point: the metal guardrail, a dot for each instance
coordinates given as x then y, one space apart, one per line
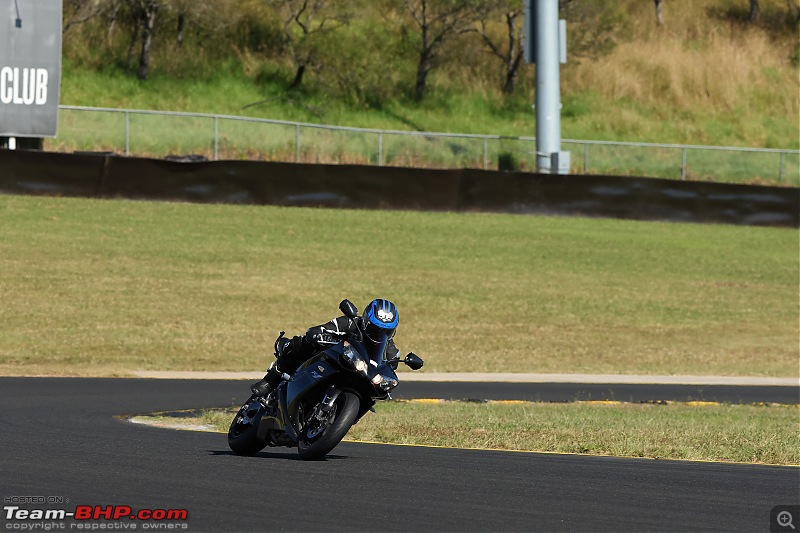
161 133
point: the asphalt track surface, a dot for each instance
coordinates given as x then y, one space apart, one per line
61 438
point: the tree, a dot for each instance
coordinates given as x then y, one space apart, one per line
593 26
438 22
794 9
755 11
511 53
186 11
77 12
143 16
659 13
148 10
304 21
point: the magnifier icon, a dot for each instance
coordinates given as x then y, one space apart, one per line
785 519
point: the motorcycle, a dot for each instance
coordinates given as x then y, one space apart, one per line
315 407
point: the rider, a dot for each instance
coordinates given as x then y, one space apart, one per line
380 318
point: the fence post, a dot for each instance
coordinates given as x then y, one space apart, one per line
683 165
127 134
297 143
782 179
216 138
586 158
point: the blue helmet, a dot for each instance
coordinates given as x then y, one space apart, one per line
380 320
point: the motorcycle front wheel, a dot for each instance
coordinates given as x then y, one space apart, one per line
317 441
242 435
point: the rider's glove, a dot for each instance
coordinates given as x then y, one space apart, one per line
324 337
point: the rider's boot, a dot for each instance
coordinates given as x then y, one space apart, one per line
268 383
291 354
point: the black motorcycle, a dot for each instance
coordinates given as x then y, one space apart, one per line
315 407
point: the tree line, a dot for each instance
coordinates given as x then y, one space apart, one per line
355 41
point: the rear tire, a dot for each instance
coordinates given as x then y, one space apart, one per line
347 406
243 432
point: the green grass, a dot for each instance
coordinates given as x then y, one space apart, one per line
108 287
706 76
736 433
161 135
229 92
767 434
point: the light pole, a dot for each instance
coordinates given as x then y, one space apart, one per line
545 42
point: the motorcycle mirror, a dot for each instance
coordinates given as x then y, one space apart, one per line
348 309
414 361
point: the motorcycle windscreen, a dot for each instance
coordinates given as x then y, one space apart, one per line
376 347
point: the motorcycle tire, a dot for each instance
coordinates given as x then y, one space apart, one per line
347 406
243 438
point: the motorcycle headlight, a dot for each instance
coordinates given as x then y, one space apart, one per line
353 360
386 383
361 366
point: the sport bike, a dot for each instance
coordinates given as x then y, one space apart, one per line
314 408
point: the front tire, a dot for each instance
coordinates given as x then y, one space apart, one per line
315 445
243 432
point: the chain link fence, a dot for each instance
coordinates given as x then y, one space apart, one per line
170 134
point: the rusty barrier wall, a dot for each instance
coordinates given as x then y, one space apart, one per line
355 186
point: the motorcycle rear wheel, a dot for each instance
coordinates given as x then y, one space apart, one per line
316 447
242 434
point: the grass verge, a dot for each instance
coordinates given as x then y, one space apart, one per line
767 434
105 287
162 135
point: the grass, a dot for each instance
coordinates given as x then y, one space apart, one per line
767 434
702 78
108 287
706 77
696 81
159 136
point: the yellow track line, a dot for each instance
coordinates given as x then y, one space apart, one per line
142 421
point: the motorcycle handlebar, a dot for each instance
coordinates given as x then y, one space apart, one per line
277 341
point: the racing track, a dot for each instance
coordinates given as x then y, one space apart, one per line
59 437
